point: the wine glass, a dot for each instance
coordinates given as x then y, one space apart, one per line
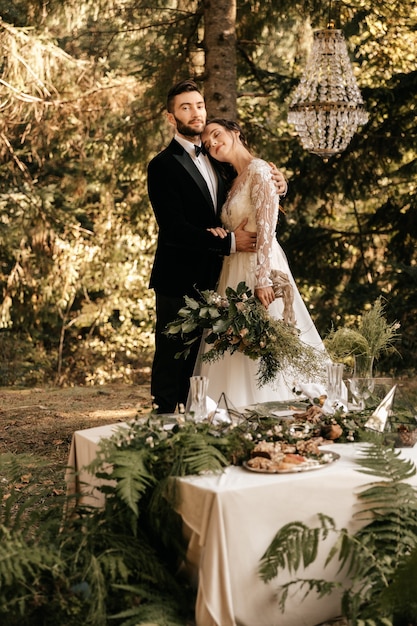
361 390
362 382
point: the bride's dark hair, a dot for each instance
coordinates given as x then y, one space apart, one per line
227 171
230 125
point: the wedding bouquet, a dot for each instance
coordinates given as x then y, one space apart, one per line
237 322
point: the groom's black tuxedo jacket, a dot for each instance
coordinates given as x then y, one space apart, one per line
187 256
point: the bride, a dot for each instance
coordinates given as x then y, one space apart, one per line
265 271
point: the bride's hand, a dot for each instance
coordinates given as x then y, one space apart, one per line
218 232
279 180
265 295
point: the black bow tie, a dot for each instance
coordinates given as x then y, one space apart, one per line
200 150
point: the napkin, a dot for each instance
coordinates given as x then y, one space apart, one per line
216 414
313 391
379 417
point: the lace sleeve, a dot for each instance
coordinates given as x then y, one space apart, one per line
266 202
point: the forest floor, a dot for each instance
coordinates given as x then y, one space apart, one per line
37 424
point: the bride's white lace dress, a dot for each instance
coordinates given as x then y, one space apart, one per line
253 195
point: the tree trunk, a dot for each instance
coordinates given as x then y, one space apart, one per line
220 47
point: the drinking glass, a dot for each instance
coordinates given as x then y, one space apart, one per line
361 390
334 381
362 382
364 364
198 392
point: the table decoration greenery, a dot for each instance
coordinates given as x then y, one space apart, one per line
169 446
373 335
144 455
161 448
237 322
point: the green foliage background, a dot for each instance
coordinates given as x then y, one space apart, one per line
82 115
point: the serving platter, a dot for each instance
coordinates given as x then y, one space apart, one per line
311 463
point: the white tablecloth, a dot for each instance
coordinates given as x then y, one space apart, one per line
231 519
82 452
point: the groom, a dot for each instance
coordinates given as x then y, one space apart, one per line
186 192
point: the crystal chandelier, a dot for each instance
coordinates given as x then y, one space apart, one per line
327 107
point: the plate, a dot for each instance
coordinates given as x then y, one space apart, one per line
284 413
312 463
285 405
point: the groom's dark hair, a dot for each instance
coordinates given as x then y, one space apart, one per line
181 87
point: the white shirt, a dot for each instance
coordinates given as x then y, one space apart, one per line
204 166
206 169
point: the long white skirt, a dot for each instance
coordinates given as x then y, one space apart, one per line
235 375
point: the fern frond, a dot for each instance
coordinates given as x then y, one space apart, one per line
130 471
385 462
195 453
114 564
318 585
371 557
385 493
150 607
294 544
401 597
22 568
94 574
17 514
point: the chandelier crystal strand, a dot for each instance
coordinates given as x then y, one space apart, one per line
327 107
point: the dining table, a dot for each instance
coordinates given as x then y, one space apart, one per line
230 519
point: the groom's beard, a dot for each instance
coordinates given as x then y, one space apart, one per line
187 131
